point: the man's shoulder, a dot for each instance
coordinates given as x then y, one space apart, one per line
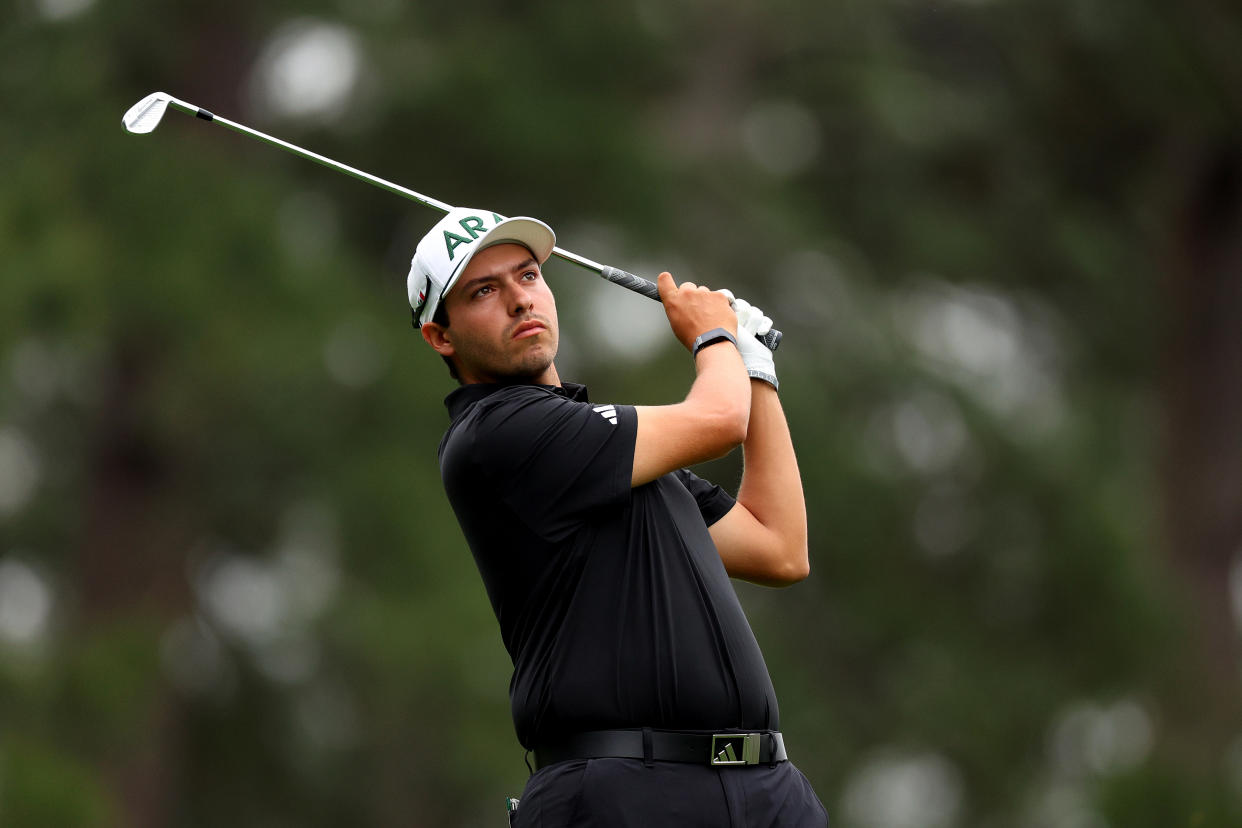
482 414
504 400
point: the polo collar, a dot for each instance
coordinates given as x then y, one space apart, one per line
460 399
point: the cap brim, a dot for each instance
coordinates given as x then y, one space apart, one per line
531 233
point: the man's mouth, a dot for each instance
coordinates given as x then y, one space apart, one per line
529 328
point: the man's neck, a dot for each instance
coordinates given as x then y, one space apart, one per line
548 377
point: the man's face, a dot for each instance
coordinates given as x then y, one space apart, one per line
502 320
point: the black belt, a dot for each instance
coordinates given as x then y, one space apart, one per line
719 749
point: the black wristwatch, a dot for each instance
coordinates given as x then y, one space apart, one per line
711 338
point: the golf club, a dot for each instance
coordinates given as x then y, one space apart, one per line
144 116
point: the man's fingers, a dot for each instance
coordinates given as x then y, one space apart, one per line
665 284
688 286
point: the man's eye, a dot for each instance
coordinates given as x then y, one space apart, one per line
483 290
530 275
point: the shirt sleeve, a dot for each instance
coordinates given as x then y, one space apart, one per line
714 502
553 460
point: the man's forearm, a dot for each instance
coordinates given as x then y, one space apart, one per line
710 422
771 487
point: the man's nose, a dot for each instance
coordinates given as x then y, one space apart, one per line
520 299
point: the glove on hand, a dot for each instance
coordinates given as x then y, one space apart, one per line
760 362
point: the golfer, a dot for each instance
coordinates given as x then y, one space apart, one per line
637 684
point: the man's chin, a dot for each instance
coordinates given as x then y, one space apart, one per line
534 365
526 364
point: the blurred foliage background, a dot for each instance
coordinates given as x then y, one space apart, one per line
1004 241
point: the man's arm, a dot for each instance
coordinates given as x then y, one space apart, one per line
712 420
763 537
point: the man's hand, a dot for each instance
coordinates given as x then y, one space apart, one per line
693 309
760 362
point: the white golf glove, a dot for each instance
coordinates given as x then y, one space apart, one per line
751 322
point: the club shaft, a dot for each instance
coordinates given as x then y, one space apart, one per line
316 157
615 275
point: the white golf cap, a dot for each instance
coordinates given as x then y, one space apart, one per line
442 254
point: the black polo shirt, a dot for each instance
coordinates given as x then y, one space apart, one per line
613 602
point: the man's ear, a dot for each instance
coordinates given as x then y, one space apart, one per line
437 336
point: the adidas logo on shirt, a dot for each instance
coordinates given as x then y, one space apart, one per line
608 412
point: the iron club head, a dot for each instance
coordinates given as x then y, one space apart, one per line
145 115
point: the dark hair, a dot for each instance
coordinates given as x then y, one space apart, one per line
440 317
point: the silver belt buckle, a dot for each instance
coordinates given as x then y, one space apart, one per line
735 749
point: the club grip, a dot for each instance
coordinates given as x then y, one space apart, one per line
628 280
771 339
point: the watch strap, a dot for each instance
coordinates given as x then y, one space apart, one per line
711 338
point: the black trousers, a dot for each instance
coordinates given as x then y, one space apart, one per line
612 793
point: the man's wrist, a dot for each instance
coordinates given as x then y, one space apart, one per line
712 337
